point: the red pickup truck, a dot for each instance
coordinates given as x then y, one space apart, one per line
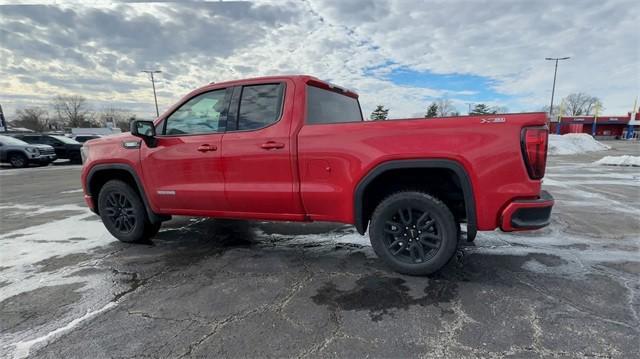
295 148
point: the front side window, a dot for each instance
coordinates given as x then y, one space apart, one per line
324 106
260 106
201 114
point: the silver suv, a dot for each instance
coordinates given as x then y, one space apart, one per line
19 153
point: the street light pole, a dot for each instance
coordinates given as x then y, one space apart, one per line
153 83
555 73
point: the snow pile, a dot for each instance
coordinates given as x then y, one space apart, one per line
625 160
574 143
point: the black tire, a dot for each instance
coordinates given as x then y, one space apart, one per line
123 213
18 160
413 233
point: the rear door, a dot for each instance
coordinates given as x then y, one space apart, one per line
184 170
257 153
58 146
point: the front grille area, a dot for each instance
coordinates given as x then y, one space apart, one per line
47 151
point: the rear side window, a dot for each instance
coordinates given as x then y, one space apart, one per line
260 106
324 106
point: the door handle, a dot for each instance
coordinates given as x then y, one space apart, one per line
207 148
272 145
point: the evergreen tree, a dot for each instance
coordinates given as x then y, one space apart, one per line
380 113
432 110
482 109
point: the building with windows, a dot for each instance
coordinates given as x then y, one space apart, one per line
602 127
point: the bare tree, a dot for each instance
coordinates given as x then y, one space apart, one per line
73 111
33 118
580 104
445 107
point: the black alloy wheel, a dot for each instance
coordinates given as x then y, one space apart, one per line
123 213
120 211
412 235
413 232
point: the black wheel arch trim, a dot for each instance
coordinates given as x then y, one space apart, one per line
153 217
456 167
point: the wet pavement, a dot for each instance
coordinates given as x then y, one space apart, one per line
212 288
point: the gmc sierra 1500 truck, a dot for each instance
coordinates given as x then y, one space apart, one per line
295 148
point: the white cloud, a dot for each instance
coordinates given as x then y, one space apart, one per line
98 51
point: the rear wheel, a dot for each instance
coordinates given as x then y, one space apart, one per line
18 160
413 232
123 213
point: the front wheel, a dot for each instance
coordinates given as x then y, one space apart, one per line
18 160
123 213
413 232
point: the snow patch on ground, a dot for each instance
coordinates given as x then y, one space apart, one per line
20 249
349 237
574 143
72 191
625 160
33 210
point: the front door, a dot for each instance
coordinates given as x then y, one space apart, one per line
184 169
257 153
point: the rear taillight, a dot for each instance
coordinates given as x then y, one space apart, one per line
534 142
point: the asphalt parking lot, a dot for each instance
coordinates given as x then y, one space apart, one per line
253 289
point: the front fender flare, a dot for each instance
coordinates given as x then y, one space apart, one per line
153 217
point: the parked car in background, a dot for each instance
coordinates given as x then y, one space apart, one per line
20 154
65 147
85 138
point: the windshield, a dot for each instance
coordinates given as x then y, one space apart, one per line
11 141
66 140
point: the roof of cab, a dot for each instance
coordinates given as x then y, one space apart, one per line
303 78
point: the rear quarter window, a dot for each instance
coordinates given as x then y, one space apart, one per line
324 106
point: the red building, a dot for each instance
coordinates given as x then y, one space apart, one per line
605 126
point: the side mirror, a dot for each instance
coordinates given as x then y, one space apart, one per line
145 130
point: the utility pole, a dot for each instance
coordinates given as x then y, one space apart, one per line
153 83
553 89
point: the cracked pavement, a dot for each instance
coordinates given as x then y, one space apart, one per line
210 288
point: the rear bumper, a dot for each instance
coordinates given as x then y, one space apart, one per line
525 214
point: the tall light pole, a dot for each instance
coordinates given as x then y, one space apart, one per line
153 83
553 89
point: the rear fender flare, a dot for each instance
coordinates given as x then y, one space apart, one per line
454 166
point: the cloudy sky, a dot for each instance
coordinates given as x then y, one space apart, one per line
402 54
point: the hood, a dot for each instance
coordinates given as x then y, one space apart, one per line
42 147
125 136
